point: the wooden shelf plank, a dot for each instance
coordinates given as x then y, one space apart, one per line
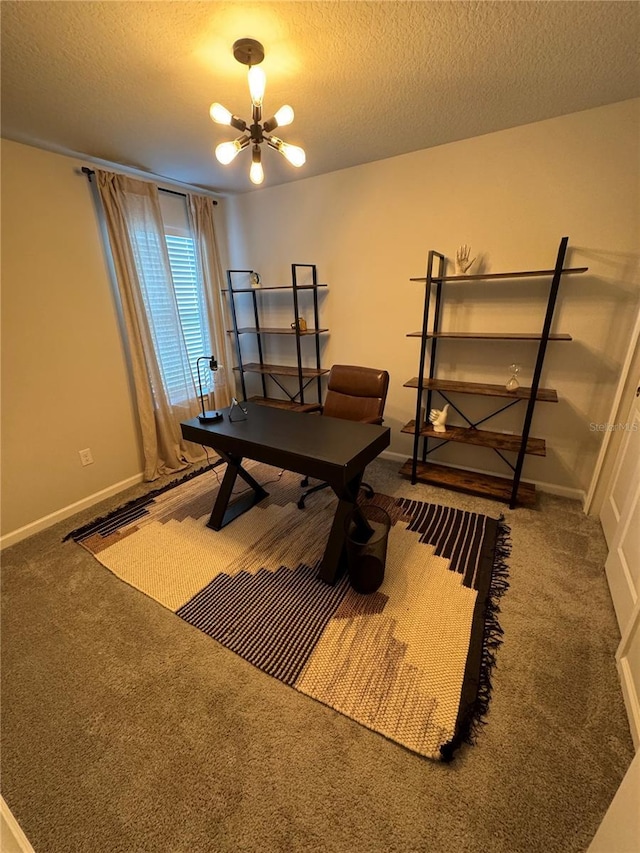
273 287
494 276
547 395
481 438
291 405
245 330
281 369
485 485
490 336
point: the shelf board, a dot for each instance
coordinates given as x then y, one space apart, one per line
490 336
273 287
546 395
281 370
494 276
245 330
485 485
290 405
480 438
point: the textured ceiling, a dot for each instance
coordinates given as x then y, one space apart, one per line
132 82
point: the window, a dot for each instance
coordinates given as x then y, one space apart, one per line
191 308
192 337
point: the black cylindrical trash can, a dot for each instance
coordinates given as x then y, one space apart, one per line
367 547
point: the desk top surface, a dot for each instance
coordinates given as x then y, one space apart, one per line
272 432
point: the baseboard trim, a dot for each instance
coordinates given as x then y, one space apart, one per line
549 488
49 520
14 828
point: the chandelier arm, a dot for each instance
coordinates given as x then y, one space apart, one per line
239 123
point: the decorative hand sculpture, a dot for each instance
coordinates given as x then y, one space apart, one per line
438 418
462 259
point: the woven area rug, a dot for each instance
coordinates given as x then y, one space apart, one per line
411 661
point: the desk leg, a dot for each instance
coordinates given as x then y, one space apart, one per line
222 513
334 561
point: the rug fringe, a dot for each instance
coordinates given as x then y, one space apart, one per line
469 729
81 532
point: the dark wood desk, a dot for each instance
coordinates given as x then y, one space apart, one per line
330 449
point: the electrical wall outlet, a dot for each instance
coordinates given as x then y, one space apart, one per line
86 457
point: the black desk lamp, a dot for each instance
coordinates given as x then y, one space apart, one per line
207 417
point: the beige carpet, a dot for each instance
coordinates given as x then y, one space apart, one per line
125 729
409 661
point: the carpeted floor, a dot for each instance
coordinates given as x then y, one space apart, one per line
122 731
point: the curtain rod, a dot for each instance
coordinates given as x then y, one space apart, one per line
90 172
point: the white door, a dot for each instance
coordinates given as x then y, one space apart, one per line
620 518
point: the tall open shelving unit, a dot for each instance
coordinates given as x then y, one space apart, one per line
417 468
302 374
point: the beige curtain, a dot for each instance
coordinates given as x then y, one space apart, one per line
136 236
200 210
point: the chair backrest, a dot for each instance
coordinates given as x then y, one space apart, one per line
356 393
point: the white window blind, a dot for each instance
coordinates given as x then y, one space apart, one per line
170 343
191 307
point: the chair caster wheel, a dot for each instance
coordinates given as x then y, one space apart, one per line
301 503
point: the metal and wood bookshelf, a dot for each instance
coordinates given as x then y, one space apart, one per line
302 374
418 468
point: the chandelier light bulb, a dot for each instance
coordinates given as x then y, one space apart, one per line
256 173
226 151
257 83
284 116
220 114
294 154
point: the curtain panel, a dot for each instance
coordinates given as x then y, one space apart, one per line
200 212
136 237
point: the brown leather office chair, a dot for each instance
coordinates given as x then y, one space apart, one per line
354 394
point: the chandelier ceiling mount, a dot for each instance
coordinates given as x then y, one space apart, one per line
250 52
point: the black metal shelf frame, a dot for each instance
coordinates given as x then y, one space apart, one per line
435 278
295 288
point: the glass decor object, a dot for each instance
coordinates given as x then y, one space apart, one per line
301 324
513 384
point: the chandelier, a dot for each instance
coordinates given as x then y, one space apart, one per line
250 52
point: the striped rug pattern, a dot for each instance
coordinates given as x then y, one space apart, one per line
410 661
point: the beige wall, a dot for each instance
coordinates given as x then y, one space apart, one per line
64 377
511 195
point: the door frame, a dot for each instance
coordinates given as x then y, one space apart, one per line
625 379
629 691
